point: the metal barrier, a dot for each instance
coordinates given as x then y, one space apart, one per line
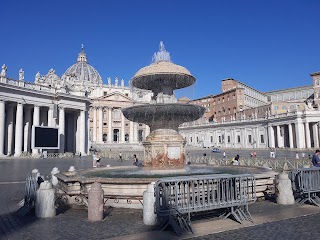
306 185
178 197
32 184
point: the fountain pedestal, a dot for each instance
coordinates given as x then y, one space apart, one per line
164 149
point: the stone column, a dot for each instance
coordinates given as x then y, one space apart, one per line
131 132
36 122
44 206
300 134
95 202
50 116
2 127
271 136
135 132
26 136
149 216
100 139
147 130
278 136
82 132
110 125
122 128
290 135
61 129
19 130
94 127
315 135
308 138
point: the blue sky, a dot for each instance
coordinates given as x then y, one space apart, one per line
267 45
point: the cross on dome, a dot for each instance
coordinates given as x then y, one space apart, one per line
82 57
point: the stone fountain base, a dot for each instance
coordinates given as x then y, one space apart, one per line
164 149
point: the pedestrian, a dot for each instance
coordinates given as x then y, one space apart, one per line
135 160
79 156
235 160
303 155
120 157
251 154
224 154
98 158
94 159
316 158
254 154
297 155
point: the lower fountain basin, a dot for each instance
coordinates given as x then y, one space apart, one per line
124 186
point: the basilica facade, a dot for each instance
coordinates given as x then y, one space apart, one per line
85 110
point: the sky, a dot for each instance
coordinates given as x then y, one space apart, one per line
266 44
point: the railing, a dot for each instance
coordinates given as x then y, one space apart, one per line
274 164
178 197
306 185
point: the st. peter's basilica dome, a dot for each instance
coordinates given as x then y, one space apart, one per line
82 74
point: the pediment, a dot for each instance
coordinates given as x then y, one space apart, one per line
116 96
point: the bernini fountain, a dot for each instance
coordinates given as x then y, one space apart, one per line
164 147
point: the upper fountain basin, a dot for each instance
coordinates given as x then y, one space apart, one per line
163 116
161 74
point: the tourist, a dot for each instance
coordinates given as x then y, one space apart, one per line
120 157
254 154
98 158
303 155
135 160
235 160
79 155
94 158
224 154
251 154
316 158
297 155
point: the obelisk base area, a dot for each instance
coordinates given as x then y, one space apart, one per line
164 149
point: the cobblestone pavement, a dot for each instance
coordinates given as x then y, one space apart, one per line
121 223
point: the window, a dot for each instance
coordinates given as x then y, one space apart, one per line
249 139
211 138
229 140
261 138
284 107
219 139
105 93
190 139
140 124
104 124
276 108
126 94
197 139
238 137
116 114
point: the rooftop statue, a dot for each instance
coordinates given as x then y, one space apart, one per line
21 75
4 70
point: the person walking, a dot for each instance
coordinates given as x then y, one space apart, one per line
94 159
316 158
120 157
79 156
135 160
224 154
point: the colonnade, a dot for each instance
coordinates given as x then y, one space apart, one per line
123 126
17 118
294 135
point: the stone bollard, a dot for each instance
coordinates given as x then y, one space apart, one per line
54 179
149 216
284 189
45 201
95 202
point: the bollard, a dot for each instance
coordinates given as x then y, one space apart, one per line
45 201
149 216
54 179
95 202
284 189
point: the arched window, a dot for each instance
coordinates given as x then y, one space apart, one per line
116 114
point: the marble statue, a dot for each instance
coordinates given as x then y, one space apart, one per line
4 70
37 77
122 83
116 81
109 81
21 75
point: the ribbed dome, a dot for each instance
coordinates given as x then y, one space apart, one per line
82 72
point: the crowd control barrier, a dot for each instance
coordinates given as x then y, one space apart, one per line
178 197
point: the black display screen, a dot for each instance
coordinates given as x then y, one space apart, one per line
45 137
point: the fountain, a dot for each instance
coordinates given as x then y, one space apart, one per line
164 146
